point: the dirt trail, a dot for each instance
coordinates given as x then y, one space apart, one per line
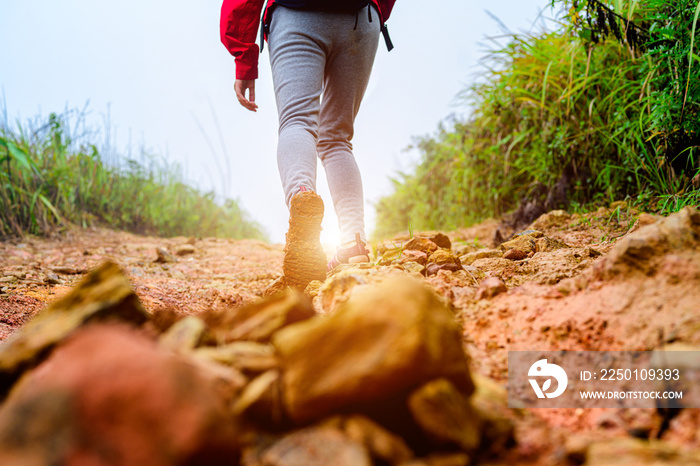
571 282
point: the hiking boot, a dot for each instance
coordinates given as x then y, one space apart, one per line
356 254
304 259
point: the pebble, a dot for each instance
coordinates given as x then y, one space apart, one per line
184 249
164 256
514 254
52 279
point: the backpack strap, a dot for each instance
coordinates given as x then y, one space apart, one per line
387 39
265 25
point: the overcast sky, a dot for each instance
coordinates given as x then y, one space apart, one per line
158 68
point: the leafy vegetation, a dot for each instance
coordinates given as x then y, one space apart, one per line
605 107
48 179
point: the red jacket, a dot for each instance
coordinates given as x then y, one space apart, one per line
240 20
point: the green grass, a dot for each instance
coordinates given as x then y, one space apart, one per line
51 178
555 109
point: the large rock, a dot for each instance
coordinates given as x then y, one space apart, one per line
418 243
111 396
257 322
383 342
442 240
337 288
469 258
445 257
525 243
446 415
102 295
555 218
411 255
643 250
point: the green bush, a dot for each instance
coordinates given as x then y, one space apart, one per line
577 111
48 180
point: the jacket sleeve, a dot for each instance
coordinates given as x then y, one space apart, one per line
385 7
239 26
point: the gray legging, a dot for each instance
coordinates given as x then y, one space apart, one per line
314 53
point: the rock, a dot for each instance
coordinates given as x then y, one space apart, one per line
381 443
414 267
525 243
8 279
444 257
337 288
245 356
643 250
163 256
445 415
227 381
647 219
109 393
184 250
418 243
442 240
469 258
634 452
52 279
392 337
411 255
491 287
434 269
514 255
261 400
555 218
102 295
390 247
532 233
490 400
257 322
184 335
546 244
277 286
316 446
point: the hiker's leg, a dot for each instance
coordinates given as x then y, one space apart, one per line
297 59
347 74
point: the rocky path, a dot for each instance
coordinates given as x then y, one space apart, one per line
614 279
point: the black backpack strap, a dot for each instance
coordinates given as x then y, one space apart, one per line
265 25
387 39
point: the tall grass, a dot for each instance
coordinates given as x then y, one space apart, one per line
51 177
572 117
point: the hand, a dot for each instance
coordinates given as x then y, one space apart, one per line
243 85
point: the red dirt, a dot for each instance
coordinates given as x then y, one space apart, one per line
556 300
